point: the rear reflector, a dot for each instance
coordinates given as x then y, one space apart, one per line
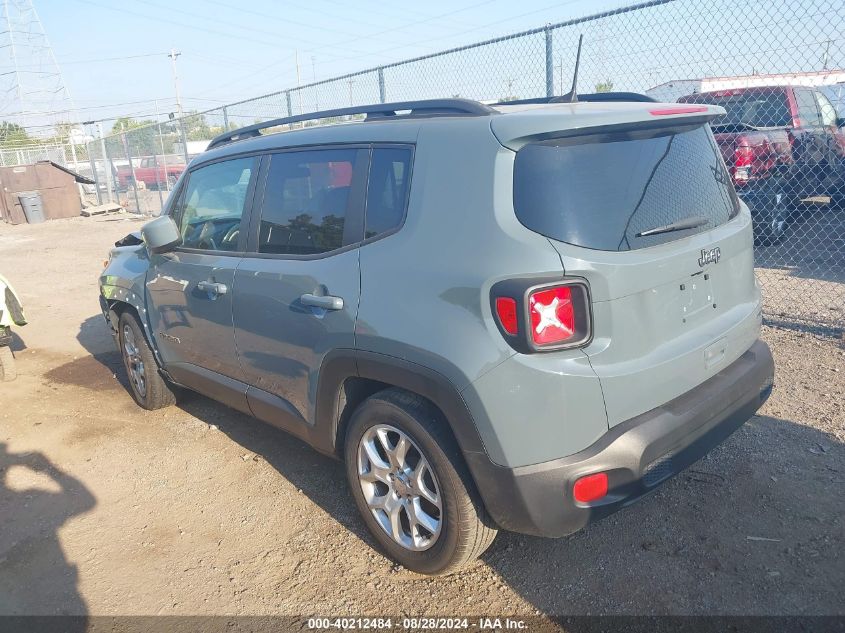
506 311
552 315
590 488
678 110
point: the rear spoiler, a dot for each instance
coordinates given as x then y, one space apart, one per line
514 131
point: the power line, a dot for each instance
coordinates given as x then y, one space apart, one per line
382 9
170 21
285 19
97 107
477 28
427 40
229 34
100 59
369 36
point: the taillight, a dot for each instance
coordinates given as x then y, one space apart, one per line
743 159
539 317
744 156
506 311
552 315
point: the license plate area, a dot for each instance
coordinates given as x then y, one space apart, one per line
697 296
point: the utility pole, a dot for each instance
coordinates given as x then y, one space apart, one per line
351 101
173 55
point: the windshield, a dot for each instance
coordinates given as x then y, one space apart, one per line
608 191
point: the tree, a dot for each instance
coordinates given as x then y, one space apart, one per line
141 138
604 86
125 123
13 135
196 127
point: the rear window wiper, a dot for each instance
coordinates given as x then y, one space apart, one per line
681 225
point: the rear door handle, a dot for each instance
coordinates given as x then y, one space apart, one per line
327 302
213 288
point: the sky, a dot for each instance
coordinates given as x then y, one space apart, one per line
113 55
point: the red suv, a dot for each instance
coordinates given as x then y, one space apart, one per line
782 144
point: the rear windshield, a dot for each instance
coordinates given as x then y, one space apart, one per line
757 108
600 191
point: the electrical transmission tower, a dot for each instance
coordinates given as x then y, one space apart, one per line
32 91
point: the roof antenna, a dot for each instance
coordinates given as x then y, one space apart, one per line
572 95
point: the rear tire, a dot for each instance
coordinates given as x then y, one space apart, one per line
146 384
8 371
431 520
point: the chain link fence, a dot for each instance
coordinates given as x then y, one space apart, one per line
776 66
63 154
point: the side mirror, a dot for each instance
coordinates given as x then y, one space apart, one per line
161 235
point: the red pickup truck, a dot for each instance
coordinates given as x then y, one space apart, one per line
153 171
782 144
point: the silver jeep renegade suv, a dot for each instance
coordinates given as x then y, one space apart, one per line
522 316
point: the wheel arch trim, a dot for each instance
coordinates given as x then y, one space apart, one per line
342 365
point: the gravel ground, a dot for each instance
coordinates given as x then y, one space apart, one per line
108 509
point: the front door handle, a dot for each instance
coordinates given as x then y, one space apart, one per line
213 288
327 302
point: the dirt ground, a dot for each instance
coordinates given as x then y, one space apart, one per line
108 509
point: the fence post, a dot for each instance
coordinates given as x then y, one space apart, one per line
110 170
550 69
94 175
128 152
225 119
158 183
290 107
184 140
382 93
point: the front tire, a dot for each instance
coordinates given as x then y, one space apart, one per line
411 485
146 384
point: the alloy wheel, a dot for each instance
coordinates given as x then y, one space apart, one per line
399 487
133 361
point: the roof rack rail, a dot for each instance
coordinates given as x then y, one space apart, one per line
595 97
422 108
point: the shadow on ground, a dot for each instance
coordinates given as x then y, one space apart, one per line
37 498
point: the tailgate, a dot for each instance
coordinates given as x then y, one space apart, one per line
662 322
650 219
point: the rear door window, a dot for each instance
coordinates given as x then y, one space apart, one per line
601 191
387 189
306 201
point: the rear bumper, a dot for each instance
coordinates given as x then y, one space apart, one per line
637 455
